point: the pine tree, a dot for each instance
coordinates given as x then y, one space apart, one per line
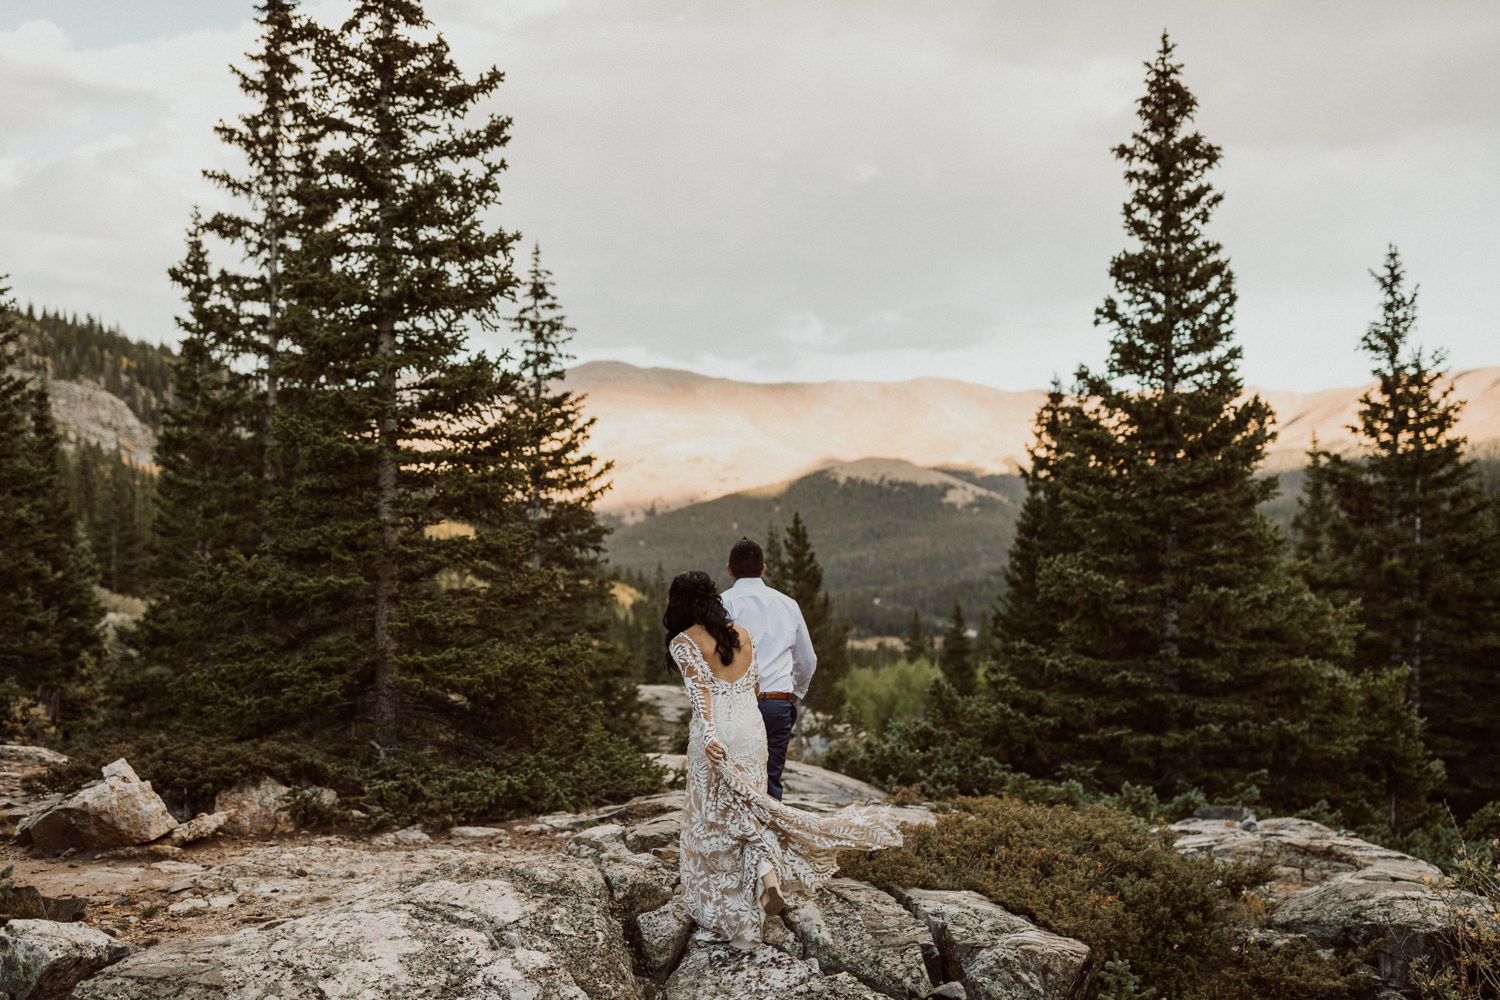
563 483
1315 527
48 611
918 645
830 636
278 139
776 570
1156 636
1412 537
390 596
956 659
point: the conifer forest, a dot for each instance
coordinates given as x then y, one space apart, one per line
366 554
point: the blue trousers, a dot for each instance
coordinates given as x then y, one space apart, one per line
779 717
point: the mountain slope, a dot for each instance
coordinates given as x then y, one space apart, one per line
890 537
678 438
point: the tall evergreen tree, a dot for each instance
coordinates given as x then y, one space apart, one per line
278 139
563 482
957 657
918 645
1412 537
1166 644
48 611
390 594
830 635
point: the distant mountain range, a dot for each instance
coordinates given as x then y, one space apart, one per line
678 438
910 489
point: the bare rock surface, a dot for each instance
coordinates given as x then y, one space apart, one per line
851 926
719 972
256 808
200 826
116 811
996 954
44 960
1335 889
540 929
19 753
638 882
664 933
1304 853
658 832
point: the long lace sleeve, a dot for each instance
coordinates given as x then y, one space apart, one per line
690 661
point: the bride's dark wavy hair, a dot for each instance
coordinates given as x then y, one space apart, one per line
694 600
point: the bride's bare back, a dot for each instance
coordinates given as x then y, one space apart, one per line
705 642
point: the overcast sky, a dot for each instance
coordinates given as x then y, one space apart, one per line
816 189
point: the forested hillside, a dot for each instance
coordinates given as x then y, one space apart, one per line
65 347
107 394
885 547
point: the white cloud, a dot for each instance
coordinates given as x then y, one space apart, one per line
844 189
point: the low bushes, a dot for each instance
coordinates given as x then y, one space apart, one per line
405 786
1161 920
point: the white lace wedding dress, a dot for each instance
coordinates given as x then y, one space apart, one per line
733 833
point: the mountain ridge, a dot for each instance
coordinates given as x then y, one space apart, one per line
679 438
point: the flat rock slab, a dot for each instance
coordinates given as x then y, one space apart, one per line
660 832
851 926
539 929
719 972
1402 915
1304 853
44 960
996 954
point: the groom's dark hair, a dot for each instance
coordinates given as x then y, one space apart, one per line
746 559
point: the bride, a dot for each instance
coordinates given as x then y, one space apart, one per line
740 847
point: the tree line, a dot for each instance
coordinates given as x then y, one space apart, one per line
1158 635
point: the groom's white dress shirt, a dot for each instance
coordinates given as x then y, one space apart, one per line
774 621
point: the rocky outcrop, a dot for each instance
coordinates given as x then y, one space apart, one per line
996 954
43 960
719 972
90 413
850 926
255 808
119 810
540 928
1339 891
664 934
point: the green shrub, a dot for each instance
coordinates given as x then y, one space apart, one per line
1111 881
878 696
420 785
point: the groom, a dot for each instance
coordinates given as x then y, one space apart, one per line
787 660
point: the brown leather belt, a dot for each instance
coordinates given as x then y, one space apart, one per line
777 696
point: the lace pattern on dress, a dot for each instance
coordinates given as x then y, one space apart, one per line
732 830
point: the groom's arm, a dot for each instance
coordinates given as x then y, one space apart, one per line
804 658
